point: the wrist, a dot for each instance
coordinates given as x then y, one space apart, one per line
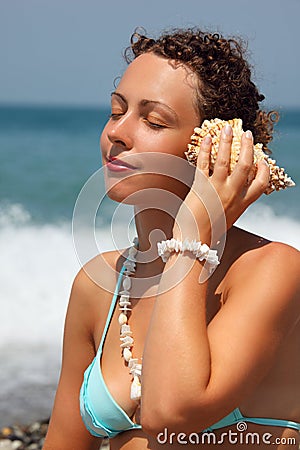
197 249
193 221
182 231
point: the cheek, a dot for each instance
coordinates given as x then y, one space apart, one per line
104 150
103 143
104 140
177 143
174 145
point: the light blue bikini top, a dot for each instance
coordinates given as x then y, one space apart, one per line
102 415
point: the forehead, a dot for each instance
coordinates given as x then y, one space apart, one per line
152 77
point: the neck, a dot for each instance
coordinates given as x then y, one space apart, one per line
153 225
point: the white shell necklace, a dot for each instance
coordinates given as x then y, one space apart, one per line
135 369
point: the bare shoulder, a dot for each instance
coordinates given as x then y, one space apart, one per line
268 273
272 259
98 274
92 291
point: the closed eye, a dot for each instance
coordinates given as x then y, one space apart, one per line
150 123
115 115
154 125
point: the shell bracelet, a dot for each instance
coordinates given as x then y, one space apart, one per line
127 341
199 250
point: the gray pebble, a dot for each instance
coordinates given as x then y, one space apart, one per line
16 444
5 444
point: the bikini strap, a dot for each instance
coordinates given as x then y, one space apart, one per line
266 421
112 308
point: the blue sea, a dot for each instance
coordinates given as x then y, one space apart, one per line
46 156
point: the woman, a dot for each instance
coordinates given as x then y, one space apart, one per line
215 344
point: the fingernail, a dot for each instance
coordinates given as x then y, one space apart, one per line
207 140
266 162
228 129
248 134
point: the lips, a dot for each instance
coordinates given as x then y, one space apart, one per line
117 164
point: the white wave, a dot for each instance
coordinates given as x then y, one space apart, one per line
13 214
38 264
37 267
262 220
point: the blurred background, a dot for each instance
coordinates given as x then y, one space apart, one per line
58 63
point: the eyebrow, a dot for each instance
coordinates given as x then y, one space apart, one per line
119 95
146 102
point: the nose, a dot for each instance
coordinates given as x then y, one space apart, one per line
120 132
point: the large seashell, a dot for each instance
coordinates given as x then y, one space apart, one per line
278 178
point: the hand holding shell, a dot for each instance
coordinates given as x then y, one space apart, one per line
278 177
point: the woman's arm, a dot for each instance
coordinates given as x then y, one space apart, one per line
66 429
194 375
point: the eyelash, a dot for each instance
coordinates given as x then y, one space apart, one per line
114 116
152 125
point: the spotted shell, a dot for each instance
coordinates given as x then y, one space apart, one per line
278 177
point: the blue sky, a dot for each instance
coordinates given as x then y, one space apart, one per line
70 51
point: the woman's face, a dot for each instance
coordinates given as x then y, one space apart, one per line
152 112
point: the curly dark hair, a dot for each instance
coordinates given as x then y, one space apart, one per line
225 89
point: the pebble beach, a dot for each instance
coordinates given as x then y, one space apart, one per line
30 437
24 437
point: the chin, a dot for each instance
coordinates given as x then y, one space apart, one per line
117 195
140 189
129 190
127 197
121 192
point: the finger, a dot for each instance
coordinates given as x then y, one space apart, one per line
241 174
260 182
222 164
203 160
